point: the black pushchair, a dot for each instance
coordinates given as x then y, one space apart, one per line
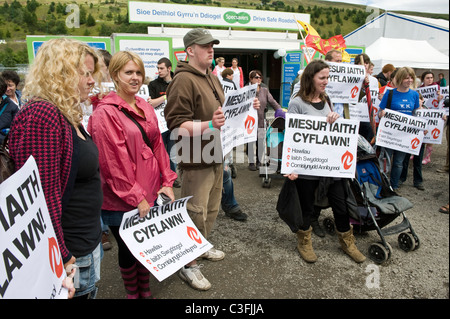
273 149
378 205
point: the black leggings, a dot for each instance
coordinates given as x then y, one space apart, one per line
336 197
126 258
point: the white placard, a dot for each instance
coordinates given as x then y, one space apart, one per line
430 95
444 93
360 111
241 119
435 125
312 146
344 82
164 240
401 132
31 267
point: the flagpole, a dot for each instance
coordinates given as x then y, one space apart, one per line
301 34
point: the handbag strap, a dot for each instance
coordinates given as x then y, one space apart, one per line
144 135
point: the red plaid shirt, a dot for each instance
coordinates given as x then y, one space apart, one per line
39 129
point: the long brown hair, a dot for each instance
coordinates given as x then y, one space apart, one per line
307 89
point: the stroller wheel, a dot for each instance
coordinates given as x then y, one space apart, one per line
406 241
328 224
266 182
378 253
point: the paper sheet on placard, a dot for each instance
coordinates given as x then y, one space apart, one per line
344 82
312 146
31 267
241 119
401 132
435 125
165 240
444 93
162 124
360 111
430 95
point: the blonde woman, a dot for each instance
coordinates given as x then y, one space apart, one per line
238 75
219 68
134 167
49 128
404 100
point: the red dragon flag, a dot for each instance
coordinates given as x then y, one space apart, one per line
313 40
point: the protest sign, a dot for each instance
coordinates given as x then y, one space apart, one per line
344 82
435 125
165 239
444 93
162 124
430 95
401 132
31 266
312 146
241 119
360 111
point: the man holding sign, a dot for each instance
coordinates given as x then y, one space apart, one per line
403 100
194 110
313 102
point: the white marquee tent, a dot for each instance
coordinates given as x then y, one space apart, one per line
403 52
391 36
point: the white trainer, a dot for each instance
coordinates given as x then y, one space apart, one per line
213 255
194 277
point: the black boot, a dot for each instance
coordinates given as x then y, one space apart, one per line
317 229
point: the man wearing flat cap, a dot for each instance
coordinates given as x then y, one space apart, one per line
194 114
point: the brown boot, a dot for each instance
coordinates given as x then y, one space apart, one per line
304 245
347 241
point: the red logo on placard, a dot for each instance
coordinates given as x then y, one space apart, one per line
435 133
435 103
55 258
347 160
354 91
414 143
192 233
250 124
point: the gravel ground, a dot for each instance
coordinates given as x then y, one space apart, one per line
262 261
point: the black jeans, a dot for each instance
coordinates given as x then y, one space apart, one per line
336 197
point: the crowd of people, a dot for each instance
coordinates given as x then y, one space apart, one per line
92 174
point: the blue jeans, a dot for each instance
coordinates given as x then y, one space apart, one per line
168 144
397 166
88 273
228 201
417 167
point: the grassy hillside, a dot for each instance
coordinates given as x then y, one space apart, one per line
103 17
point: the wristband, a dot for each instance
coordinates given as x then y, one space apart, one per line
211 127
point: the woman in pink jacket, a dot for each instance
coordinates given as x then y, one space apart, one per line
134 169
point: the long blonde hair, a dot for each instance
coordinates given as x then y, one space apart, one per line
55 74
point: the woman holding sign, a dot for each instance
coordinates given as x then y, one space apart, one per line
312 100
49 128
134 163
428 80
404 100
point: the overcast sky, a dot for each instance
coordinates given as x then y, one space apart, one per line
433 6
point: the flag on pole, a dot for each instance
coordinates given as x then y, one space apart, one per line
313 40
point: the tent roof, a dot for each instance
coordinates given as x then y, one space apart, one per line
400 26
404 52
